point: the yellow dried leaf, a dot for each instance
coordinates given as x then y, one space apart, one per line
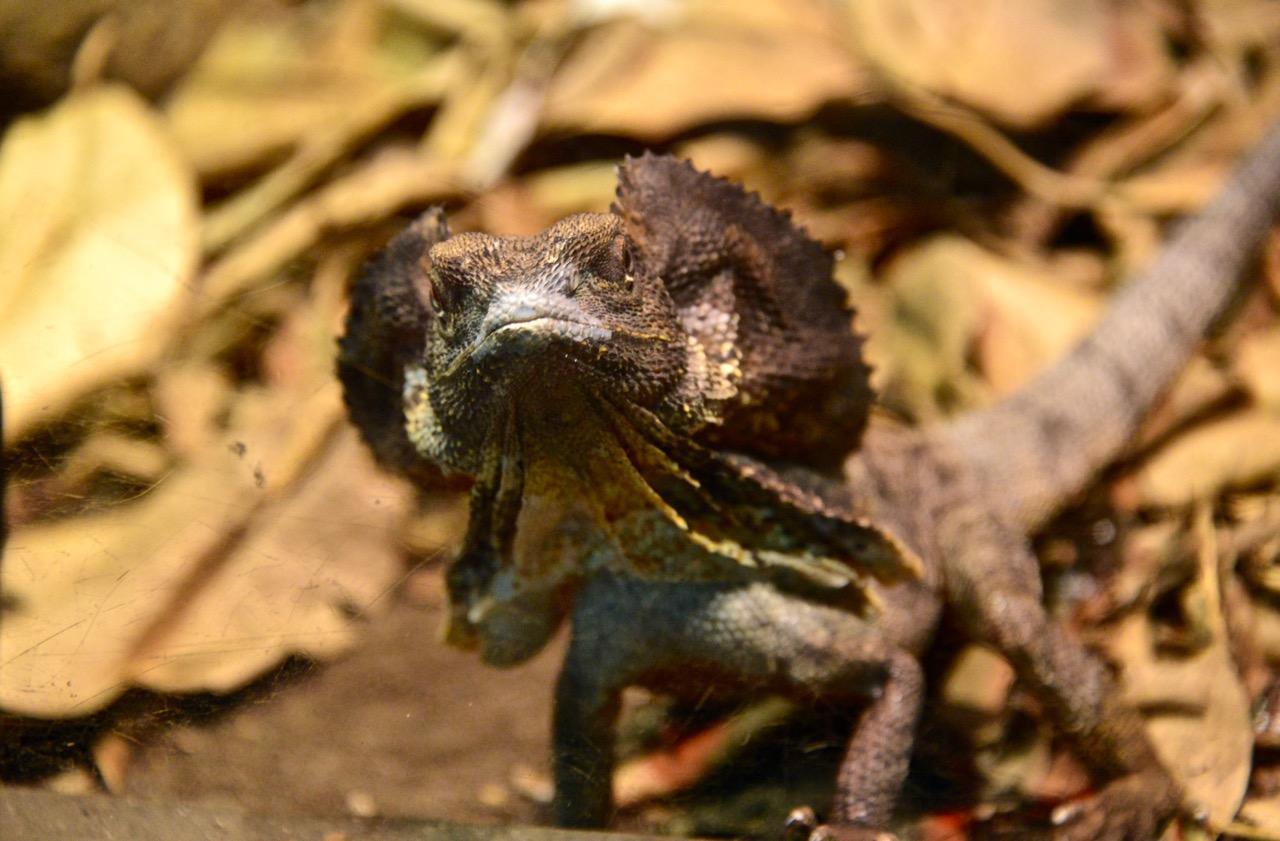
1261 814
1022 61
922 340
188 397
282 589
1204 731
769 60
1236 451
88 588
978 680
263 85
1258 365
98 242
1031 320
241 543
949 293
1197 387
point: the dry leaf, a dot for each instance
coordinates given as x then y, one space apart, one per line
270 529
1264 629
1030 319
1233 452
283 589
1262 813
1203 731
921 342
265 84
372 192
696 756
979 680
144 44
1199 386
949 293
1257 363
219 571
769 60
188 397
1239 24
1022 61
98 244
87 589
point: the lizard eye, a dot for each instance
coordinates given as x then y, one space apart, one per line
433 294
624 260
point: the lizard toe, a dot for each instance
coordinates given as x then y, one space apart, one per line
802 825
1133 808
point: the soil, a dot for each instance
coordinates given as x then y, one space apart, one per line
402 726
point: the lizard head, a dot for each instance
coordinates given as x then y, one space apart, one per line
564 310
619 387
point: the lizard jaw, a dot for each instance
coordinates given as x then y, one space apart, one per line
522 337
519 325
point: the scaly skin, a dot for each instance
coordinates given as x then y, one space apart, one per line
665 414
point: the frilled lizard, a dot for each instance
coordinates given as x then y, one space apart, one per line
665 412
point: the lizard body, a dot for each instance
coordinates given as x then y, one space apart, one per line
665 412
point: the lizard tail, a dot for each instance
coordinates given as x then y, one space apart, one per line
1041 446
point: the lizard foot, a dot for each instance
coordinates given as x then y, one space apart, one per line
1132 808
802 825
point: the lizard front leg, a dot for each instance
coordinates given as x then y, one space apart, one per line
993 585
628 632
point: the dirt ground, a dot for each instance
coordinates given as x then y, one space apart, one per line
401 726
189 506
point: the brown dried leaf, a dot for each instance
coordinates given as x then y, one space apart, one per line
99 247
979 680
228 564
1261 814
188 398
1022 61
1236 25
921 342
375 190
265 84
481 21
1257 363
1202 728
697 756
1233 452
46 49
949 293
1031 320
254 546
88 588
1199 386
1264 629
284 587
769 60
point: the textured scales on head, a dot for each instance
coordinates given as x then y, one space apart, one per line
785 374
387 328
640 379
518 319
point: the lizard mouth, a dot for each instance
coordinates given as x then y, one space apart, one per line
544 325
523 334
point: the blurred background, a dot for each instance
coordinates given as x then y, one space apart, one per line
210 593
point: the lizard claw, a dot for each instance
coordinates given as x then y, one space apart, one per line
802 825
1132 808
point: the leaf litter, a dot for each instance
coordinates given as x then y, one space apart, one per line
189 507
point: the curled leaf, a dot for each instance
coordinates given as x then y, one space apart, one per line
98 242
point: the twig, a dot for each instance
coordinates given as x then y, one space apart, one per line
391 180
320 150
